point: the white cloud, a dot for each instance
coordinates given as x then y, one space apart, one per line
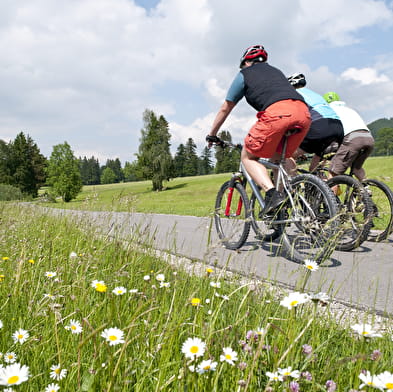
364 75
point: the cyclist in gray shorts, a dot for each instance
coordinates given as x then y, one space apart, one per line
358 142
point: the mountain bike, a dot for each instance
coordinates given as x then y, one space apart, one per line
306 221
368 205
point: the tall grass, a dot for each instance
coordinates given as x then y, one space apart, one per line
183 196
55 271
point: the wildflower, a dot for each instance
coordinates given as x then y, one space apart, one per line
193 347
50 296
206 365
216 285
2 277
164 285
57 373
113 335
368 380
294 386
133 291
9 390
160 277
73 255
146 277
311 265
242 365
288 372
274 376
229 355
1 324
20 336
306 349
50 274
260 331
119 290
306 375
195 301
366 331
10 357
99 285
330 386
225 297
5 258
209 270
31 261
384 381
14 374
52 388
375 355
294 299
74 326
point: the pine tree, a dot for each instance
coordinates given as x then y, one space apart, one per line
191 163
63 172
206 162
227 158
154 157
180 160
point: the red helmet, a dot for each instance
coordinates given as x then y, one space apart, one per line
252 53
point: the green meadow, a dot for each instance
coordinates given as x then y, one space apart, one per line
84 313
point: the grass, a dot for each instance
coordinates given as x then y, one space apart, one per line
183 196
54 270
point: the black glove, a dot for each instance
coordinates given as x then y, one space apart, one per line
213 140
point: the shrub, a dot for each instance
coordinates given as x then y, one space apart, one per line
9 192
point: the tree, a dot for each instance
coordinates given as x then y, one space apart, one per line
63 172
192 160
154 157
22 165
132 172
180 160
227 158
206 162
384 142
115 165
108 176
90 170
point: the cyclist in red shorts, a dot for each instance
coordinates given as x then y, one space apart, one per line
279 108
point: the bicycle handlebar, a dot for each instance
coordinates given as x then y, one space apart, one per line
215 140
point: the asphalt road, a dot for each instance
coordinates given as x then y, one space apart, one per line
361 277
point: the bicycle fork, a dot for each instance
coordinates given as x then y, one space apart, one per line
235 178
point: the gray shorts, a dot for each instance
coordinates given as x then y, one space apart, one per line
354 150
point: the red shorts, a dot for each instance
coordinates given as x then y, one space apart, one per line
265 137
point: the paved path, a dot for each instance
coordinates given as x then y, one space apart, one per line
361 277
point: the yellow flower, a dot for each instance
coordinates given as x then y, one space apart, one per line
101 288
2 277
5 258
209 270
31 261
195 301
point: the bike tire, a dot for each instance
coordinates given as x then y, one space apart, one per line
233 227
355 211
382 204
311 231
264 230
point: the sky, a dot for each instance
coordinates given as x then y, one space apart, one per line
84 71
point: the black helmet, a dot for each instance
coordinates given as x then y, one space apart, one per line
297 80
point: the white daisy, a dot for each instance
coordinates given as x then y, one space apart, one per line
311 265
146 277
216 285
50 274
113 336
10 357
288 372
368 379
160 277
366 331
164 285
20 336
193 348
14 374
384 381
73 255
320 297
294 299
74 326
52 388
119 290
207 365
57 373
133 291
274 376
1 324
229 355
9 390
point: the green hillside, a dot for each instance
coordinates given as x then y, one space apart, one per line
379 124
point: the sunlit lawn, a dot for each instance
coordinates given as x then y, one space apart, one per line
106 317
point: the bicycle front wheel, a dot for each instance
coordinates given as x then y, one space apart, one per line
355 211
231 215
311 231
382 209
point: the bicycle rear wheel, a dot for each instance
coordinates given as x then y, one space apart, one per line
311 231
382 205
264 230
355 211
231 215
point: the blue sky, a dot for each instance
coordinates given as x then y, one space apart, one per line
84 71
